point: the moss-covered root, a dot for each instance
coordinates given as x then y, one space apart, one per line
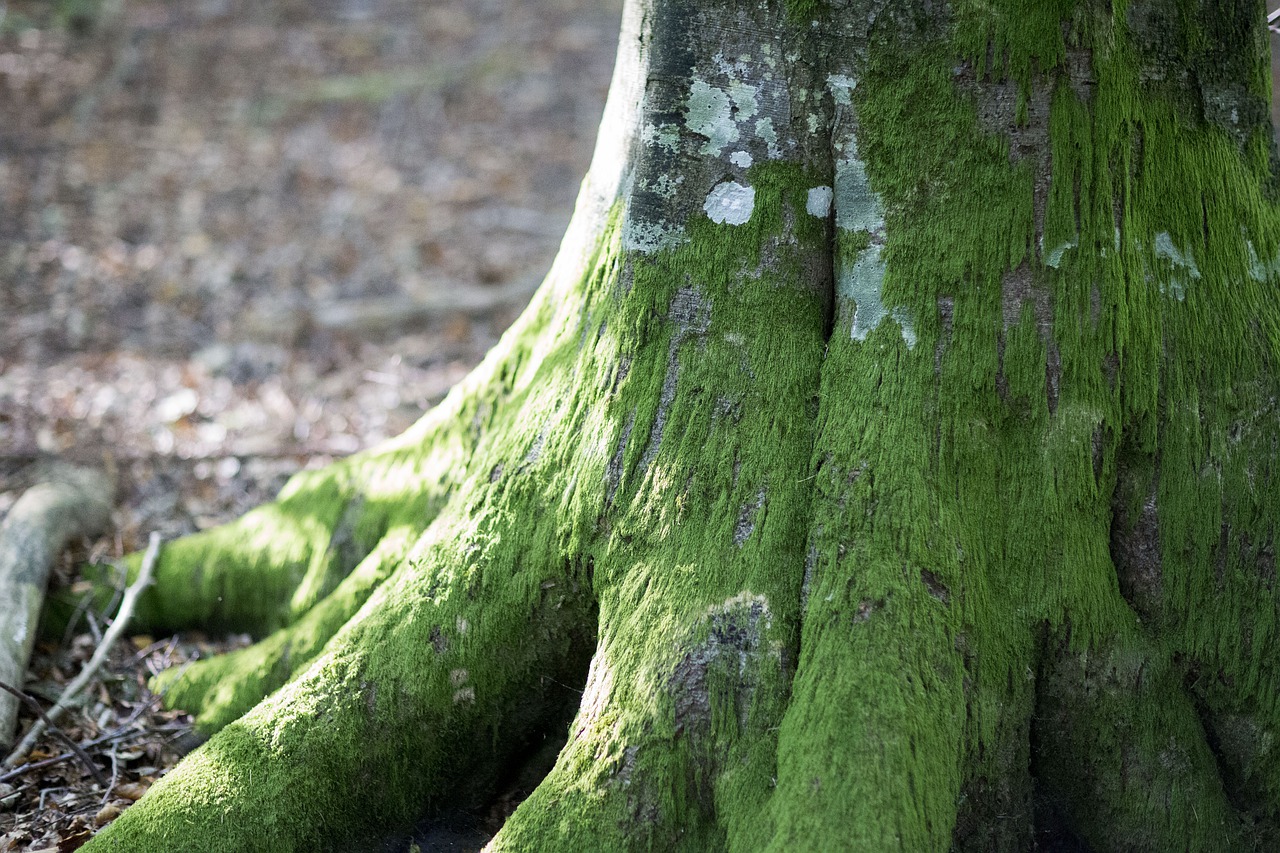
408 708
226 686
871 750
674 743
1122 748
271 566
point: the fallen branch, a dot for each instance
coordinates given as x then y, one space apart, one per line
99 656
67 502
382 313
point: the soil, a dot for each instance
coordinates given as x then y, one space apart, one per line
242 238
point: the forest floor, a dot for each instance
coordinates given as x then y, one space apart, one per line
241 238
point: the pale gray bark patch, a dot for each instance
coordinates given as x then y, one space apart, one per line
710 113
858 208
1260 270
1052 374
747 516
347 550
614 472
620 372
728 408
810 566
66 503
818 202
535 449
734 650
1053 257
1017 289
1183 269
690 314
841 87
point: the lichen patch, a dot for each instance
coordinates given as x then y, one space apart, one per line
709 113
730 203
841 87
862 282
858 207
818 202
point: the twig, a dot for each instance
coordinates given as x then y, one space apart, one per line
118 735
94 770
100 654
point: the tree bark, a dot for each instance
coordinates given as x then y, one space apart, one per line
889 456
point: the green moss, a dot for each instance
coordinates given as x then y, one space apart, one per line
963 492
698 605
669 467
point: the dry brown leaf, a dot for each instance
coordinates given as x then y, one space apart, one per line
108 813
73 841
131 790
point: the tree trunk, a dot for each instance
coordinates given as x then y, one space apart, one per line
889 457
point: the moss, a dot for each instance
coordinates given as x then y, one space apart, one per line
674 741
848 590
940 466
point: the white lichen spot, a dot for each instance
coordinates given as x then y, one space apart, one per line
1258 270
862 283
842 87
465 694
725 66
813 123
744 98
650 236
858 208
1054 257
819 202
667 186
730 203
709 113
458 677
665 136
741 159
764 130
462 627
1164 248
1184 266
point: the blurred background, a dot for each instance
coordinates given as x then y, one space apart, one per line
238 238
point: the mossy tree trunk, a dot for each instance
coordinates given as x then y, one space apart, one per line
889 458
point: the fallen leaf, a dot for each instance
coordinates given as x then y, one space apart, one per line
131 790
108 813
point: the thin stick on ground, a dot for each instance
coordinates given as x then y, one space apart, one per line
99 656
94 770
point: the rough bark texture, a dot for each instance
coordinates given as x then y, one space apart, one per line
889 456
